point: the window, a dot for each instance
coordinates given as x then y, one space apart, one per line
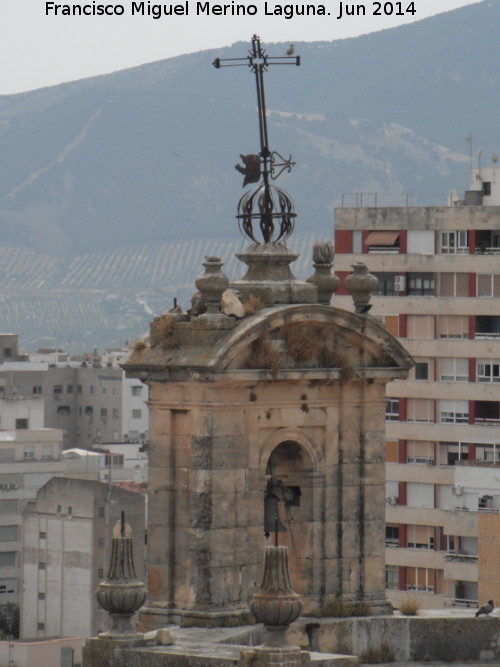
454 412
8 586
420 284
419 495
115 391
91 389
420 242
42 535
136 391
37 390
47 452
487 285
420 327
486 188
420 451
22 424
420 579
63 410
40 626
104 413
116 413
488 370
8 506
420 537
454 243
392 535
386 285
487 326
29 452
58 389
7 352
41 565
8 558
104 391
70 510
420 410
454 370
78 388
100 512
136 414
392 577
100 573
41 596
453 326
8 533
392 409
421 370
454 284
357 242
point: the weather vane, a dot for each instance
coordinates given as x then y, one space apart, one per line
265 203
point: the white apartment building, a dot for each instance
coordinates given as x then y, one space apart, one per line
28 459
439 293
67 533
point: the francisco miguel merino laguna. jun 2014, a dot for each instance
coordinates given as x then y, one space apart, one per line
199 8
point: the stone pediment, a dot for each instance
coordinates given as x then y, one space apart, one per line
309 339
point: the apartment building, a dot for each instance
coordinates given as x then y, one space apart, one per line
439 293
89 399
28 459
67 533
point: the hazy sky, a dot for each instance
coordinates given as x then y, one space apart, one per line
39 50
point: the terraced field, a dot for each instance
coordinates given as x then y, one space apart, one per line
106 298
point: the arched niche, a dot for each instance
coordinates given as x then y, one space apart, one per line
297 489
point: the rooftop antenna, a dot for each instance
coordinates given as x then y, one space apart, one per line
469 139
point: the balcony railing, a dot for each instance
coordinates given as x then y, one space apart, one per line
459 602
486 421
461 558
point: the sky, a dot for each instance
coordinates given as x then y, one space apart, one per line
39 47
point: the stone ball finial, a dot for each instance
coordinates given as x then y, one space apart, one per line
361 284
325 281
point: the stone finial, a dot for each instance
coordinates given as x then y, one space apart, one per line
326 282
361 284
276 604
212 284
121 594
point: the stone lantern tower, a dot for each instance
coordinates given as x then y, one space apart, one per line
286 402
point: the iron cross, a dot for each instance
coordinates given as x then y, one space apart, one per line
258 61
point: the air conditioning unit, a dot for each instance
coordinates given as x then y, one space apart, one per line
400 284
457 490
392 500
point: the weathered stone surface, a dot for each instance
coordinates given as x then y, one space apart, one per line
293 392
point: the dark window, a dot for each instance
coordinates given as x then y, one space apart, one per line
7 352
100 511
422 371
486 188
385 285
22 424
41 596
100 574
420 284
392 535
58 389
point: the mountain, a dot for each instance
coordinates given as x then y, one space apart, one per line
97 172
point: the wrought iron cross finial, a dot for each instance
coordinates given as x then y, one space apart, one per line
259 61
269 163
